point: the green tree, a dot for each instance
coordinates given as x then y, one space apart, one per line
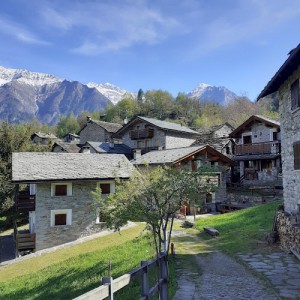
154 197
14 138
67 125
158 104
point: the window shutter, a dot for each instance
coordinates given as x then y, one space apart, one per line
60 219
295 95
296 147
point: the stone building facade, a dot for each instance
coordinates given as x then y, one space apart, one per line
257 150
79 208
97 131
60 204
150 134
191 158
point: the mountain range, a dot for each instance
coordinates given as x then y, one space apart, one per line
25 95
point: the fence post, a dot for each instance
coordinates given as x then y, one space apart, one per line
108 281
163 293
145 280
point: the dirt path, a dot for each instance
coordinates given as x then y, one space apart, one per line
213 275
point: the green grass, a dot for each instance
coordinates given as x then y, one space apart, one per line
242 230
70 272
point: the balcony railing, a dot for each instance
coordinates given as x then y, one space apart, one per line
146 133
25 202
258 148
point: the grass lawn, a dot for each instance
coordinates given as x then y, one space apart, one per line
240 231
70 272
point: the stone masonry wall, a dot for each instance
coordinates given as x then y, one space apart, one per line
289 234
93 133
290 133
83 215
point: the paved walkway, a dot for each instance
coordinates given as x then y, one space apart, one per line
281 269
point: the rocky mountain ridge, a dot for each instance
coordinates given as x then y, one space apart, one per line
25 95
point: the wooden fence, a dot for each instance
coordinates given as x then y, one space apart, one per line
109 286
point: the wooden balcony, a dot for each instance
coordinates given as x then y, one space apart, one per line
25 202
258 148
25 241
146 133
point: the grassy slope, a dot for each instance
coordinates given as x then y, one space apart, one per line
67 273
241 231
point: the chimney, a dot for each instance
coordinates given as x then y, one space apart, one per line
85 149
137 153
88 119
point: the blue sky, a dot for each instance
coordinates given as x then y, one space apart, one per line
158 44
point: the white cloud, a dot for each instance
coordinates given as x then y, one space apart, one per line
18 31
111 26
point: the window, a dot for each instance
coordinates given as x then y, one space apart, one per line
105 188
60 217
61 189
275 136
295 99
296 147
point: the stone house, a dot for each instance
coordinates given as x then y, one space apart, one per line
109 148
191 158
217 137
59 201
71 138
286 83
97 131
43 138
257 149
60 146
149 134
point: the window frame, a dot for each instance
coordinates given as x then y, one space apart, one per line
112 186
295 95
54 212
296 154
69 189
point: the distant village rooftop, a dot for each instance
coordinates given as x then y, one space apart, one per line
160 124
48 166
109 127
172 156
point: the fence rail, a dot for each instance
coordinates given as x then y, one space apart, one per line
110 286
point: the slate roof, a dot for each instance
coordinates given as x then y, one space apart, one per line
109 127
170 156
105 148
72 134
67 147
289 66
212 129
160 124
44 135
49 166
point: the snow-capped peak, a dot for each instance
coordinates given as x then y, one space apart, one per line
112 92
27 77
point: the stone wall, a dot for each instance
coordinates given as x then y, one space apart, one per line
290 133
289 233
83 221
94 133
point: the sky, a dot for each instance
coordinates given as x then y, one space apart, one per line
172 45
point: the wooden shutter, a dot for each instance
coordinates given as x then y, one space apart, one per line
105 188
61 190
296 147
295 94
60 219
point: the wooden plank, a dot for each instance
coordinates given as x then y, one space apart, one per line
98 293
